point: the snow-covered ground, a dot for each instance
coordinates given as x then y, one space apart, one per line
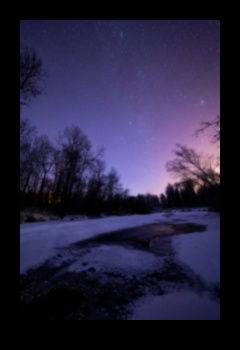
118 259
38 241
176 306
201 250
198 251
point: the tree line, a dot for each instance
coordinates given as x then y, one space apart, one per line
70 178
185 195
199 176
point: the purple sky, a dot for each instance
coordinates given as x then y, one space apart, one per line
135 87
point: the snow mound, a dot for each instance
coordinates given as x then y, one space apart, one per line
117 258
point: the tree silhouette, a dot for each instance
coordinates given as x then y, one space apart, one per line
190 165
44 153
215 125
163 201
170 196
27 157
95 189
31 75
74 160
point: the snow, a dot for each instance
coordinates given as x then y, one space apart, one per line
38 241
201 251
117 259
176 306
198 251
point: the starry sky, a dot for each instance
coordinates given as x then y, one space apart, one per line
135 87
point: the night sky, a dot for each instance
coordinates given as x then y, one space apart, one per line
135 87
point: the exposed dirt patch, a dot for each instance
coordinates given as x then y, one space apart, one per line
145 233
77 296
154 237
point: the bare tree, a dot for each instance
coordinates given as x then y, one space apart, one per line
215 125
26 131
112 184
27 137
36 158
97 180
44 152
76 158
94 198
31 75
190 165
